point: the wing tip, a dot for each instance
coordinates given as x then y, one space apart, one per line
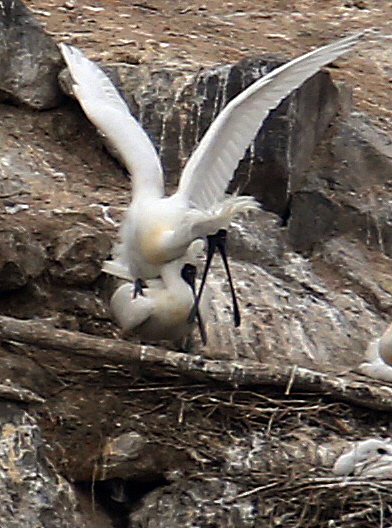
72 55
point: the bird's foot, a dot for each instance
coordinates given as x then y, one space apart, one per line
139 285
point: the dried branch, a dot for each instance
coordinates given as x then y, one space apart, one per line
11 391
234 373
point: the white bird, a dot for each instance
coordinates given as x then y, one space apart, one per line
385 345
378 358
157 228
161 313
368 458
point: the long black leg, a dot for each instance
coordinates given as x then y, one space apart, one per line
217 241
188 273
211 245
221 245
139 285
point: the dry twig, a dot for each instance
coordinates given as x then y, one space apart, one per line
235 373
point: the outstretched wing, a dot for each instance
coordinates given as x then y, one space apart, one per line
210 168
107 110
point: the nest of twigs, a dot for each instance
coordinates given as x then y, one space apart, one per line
271 455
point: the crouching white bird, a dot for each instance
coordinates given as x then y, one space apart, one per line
378 357
368 458
385 345
161 313
157 228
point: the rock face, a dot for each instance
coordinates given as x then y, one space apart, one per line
29 59
127 457
32 494
347 190
21 258
79 254
187 504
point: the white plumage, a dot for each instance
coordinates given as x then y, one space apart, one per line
368 458
385 346
158 229
161 313
378 358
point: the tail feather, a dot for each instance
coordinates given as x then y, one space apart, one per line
219 217
234 205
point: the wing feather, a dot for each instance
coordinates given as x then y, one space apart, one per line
225 142
108 111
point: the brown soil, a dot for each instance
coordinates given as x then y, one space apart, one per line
215 31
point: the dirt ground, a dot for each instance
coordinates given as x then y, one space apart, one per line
215 32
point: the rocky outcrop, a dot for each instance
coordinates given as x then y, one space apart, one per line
286 142
347 190
193 503
78 255
29 59
31 492
21 258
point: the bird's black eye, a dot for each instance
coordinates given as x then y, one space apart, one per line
381 451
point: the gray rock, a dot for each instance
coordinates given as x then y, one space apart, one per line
31 493
258 238
347 191
125 456
313 218
29 59
79 253
285 144
353 262
291 314
81 301
21 258
190 503
19 370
